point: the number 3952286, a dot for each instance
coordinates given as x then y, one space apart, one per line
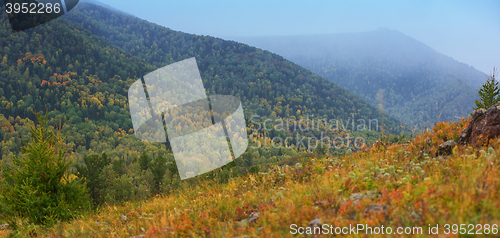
32 8
486 229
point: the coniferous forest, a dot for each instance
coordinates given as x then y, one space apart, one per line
72 165
78 69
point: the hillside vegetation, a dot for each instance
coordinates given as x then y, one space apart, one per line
398 185
267 84
68 69
77 70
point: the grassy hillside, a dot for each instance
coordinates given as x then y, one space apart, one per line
78 70
405 77
399 185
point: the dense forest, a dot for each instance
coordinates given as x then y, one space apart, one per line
78 70
265 82
73 162
392 71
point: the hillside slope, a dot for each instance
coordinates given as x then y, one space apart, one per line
68 69
401 185
75 71
79 79
406 78
260 79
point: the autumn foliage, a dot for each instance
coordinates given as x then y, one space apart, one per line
413 189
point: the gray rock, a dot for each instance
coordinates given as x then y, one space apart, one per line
315 222
357 197
463 135
446 147
416 216
253 217
480 111
138 236
377 208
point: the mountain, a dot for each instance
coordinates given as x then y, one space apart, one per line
397 73
267 84
99 3
77 70
77 78
79 67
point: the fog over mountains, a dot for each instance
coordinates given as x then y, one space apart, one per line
397 73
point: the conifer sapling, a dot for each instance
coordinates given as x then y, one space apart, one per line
489 93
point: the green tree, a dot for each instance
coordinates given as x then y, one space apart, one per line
321 148
119 167
144 161
173 169
36 186
159 169
91 171
488 93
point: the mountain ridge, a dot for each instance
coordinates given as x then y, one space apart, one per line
158 48
403 71
81 80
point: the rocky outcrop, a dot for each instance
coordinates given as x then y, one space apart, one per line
357 197
446 148
376 208
483 126
315 223
252 218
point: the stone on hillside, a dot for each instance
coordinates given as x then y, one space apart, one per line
483 126
377 208
446 148
357 197
253 217
138 236
315 222
416 216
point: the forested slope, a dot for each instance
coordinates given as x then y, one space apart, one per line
260 79
78 69
78 78
404 77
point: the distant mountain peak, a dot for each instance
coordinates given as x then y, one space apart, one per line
101 4
411 80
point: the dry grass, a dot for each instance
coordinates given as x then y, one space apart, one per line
414 187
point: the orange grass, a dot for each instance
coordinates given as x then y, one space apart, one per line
417 189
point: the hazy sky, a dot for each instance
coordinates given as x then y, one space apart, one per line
468 31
